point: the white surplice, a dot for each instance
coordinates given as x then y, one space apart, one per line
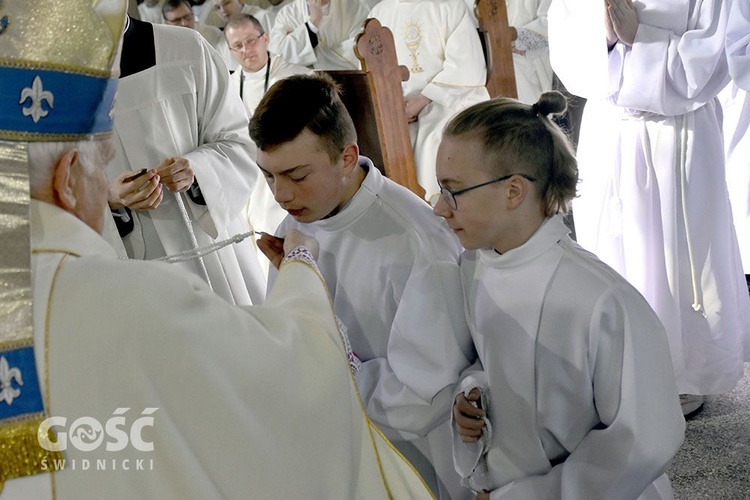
533 70
737 122
392 269
186 106
250 402
342 21
582 398
438 42
252 85
151 15
735 104
653 195
738 43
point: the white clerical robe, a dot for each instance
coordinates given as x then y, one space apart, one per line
253 402
653 198
735 104
737 120
533 70
392 269
738 43
151 14
252 85
342 21
185 106
582 398
437 40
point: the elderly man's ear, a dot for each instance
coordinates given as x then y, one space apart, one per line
64 179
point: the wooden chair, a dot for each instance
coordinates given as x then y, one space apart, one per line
498 41
375 101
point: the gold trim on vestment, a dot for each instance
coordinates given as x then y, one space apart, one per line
20 452
52 66
47 316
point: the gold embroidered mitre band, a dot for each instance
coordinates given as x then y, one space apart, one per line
56 84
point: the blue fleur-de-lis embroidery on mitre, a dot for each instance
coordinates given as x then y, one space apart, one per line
37 95
7 375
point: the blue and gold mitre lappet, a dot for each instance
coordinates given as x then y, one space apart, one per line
56 84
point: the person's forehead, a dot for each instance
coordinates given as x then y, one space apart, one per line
179 11
304 150
247 28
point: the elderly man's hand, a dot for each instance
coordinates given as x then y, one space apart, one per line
176 174
136 190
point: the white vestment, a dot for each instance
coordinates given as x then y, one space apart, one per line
533 70
582 398
250 402
737 122
438 42
392 269
738 43
342 21
151 15
186 106
735 103
653 195
252 85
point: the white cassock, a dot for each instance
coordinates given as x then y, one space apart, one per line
253 85
653 195
392 270
438 41
251 402
273 10
735 104
582 398
533 70
185 106
151 15
738 43
342 21
261 212
737 120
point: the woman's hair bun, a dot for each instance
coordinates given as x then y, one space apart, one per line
552 102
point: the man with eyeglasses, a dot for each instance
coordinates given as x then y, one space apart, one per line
180 13
257 70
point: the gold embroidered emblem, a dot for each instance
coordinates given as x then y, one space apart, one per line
413 39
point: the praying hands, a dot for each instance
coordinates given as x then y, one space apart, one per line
621 21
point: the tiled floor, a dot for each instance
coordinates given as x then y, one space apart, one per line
714 461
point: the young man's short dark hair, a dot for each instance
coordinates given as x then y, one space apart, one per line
299 102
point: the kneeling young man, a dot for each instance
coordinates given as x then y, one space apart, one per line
391 266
